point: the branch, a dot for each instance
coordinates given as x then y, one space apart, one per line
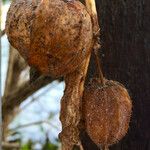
34 99
2 32
33 124
14 99
6 145
15 66
91 7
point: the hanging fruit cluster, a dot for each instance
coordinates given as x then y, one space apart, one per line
55 37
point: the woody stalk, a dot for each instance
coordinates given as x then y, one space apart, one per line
70 114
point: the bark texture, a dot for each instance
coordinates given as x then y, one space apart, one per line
125 53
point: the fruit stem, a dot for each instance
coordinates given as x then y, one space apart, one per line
91 7
100 73
104 147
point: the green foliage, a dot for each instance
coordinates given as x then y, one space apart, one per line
27 146
49 146
4 1
46 146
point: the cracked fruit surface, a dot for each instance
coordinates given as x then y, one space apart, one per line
54 36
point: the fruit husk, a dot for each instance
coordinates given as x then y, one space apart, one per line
53 36
106 111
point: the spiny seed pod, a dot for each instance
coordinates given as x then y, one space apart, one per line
106 111
54 36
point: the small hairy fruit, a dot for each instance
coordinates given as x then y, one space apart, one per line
106 111
54 36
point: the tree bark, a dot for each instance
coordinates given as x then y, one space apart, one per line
125 54
15 66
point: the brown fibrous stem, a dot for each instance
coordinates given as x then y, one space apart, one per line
70 107
100 73
104 147
70 115
91 6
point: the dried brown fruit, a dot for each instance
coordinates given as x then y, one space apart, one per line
54 36
106 111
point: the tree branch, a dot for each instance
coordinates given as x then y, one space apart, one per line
15 66
14 99
6 145
33 124
35 98
21 93
2 32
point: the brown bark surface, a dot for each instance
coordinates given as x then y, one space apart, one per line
125 53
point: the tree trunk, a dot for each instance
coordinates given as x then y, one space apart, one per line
125 56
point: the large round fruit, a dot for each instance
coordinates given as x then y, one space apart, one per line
106 111
54 36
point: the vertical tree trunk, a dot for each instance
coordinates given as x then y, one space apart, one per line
125 54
